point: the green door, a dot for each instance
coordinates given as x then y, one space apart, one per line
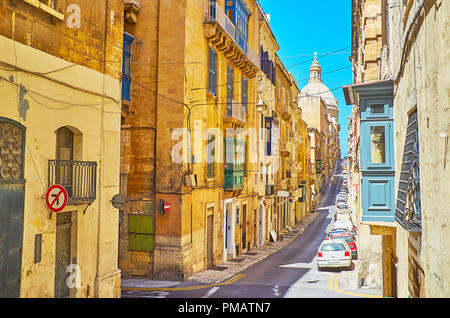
12 198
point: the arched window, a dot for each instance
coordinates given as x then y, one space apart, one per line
64 158
64 144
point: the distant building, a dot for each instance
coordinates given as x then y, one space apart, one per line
320 111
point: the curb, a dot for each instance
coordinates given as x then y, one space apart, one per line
238 264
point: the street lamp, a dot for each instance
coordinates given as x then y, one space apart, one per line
260 106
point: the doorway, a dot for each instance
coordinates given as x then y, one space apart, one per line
62 253
255 229
244 227
229 229
209 238
261 224
12 201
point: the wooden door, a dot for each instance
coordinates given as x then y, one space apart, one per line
62 253
209 240
244 227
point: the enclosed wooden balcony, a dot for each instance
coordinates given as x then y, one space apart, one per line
235 113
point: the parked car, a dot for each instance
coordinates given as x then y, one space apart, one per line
347 224
350 241
336 231
334 253
343 215
341 205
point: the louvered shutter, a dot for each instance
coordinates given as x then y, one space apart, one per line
408 209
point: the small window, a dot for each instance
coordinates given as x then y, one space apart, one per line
126 67
64 153
230 91
245 93
211 156
377 142
377 108
50 3
262 127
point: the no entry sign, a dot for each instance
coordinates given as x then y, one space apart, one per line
56 198
166 207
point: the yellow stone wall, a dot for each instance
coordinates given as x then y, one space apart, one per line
424 87
49 109
67 86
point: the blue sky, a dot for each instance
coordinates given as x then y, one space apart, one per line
302 27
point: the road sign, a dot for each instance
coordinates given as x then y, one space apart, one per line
56 198
166 207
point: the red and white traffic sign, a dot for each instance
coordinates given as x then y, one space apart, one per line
56 198
166 207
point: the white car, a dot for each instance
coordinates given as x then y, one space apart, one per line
341 205
347 224
343 224
334 253
343 215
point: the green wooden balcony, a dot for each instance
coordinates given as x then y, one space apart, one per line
234 179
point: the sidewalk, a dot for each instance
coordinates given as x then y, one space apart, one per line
226 270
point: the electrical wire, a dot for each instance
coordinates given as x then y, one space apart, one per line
320 55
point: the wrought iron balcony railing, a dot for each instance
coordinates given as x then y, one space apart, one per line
79 178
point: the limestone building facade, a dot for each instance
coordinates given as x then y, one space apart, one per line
59 124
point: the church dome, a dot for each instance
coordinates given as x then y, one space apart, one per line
316 87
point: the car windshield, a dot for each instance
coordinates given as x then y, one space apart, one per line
347 238
337 231
333 247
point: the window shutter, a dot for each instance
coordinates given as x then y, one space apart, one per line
229 153
230 91
126 66
214 71
212 65
268 135
408 206
245 93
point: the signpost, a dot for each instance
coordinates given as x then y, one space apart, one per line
56 198
166 207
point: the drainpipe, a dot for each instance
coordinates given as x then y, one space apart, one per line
100 183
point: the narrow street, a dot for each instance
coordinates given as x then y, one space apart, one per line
288 273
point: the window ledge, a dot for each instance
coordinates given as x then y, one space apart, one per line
45 8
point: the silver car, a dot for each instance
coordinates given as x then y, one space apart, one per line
334 253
